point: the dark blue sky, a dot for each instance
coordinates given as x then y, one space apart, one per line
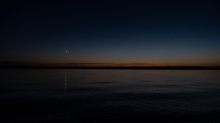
161 32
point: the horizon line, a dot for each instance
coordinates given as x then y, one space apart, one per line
117 67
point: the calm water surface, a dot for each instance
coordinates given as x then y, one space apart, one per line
60 95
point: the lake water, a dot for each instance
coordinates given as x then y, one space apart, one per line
74 95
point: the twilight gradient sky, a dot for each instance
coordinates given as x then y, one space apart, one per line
158 32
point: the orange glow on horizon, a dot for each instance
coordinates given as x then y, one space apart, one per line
117 64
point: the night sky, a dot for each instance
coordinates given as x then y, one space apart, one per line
155 32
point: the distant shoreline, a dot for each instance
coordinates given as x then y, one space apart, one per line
117 67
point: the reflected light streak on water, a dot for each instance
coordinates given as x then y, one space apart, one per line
43 95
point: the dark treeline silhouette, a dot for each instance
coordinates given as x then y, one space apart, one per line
118 67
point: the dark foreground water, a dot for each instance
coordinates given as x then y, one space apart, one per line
59 95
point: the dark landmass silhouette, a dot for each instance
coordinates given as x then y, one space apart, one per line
33 65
